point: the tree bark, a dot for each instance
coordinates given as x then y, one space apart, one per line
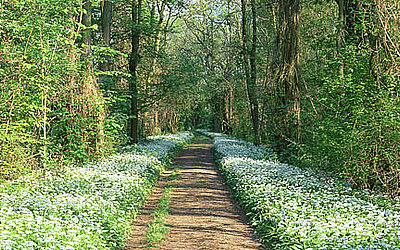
106 21
289 67
89 86
250 67
157 39
347 30
253 91
87 21
133 64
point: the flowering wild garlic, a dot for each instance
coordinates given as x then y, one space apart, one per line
89 207
295 208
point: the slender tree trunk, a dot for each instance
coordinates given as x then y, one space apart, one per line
87 21
253 91
351 8
157 39
133 64
250 67
106 21
244 42
347 30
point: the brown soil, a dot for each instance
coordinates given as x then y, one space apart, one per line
203 214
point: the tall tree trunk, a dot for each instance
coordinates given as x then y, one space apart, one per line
133 64
289 67
90 88
106 21
250 67
352 17
87 21
347 30
157 41
157 37
252 86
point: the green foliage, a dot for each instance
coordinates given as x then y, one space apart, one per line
31 72
51 108
349 93
350 122
62 99
357 135
157 229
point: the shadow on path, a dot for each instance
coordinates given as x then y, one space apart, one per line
203 214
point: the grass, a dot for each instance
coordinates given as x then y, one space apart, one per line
175 175
158 230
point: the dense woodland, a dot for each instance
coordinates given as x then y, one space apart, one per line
318 81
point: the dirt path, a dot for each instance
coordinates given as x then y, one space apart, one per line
203 214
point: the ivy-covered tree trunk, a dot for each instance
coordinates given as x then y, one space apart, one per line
87 22
157 38
288 71
90 99
349 20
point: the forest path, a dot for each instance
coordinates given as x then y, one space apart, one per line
203 214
